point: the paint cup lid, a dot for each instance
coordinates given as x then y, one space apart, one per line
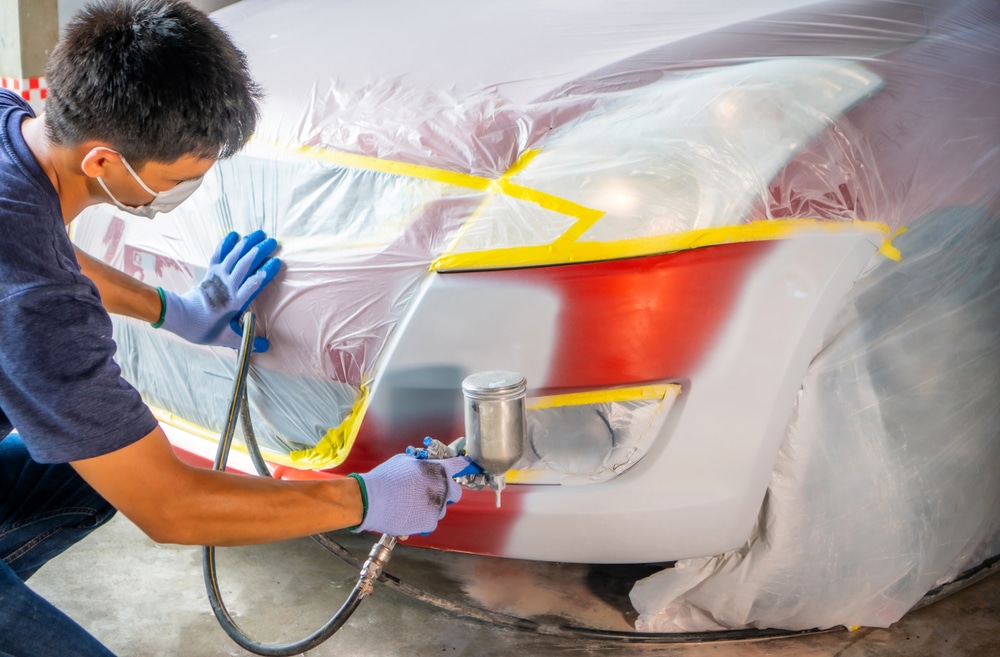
496 385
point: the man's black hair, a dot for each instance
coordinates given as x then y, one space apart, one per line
155 79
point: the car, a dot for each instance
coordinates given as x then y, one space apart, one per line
672 220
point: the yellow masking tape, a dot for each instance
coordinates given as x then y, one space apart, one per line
890 251
523 161
561 252
209 436
657 392
518 165
566 248
189 427
587 216
333 448
417 171
329 452
335 445
637 393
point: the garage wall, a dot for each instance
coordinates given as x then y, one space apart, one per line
68 7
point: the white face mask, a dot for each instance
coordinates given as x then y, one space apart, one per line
162 201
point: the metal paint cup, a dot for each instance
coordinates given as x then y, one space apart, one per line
495 424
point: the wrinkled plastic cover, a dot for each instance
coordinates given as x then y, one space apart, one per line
358 235
375 163
590 442
887 483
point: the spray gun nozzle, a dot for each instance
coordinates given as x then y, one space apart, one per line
501 483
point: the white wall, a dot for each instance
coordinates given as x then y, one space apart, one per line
69 7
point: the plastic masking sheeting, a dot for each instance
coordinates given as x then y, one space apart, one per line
401 142
359 233
886 485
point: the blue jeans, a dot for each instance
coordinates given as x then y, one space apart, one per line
44 509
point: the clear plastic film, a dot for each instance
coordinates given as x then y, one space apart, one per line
401 143
353 254
886 485
588 438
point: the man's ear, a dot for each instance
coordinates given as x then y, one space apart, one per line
96 160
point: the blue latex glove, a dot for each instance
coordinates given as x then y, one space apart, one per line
405 495
209 313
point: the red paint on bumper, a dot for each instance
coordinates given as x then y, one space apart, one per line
642 319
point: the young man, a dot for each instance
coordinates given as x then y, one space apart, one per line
144 96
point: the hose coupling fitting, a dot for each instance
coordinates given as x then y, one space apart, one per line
377 559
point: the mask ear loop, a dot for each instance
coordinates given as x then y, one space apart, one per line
100 181
136 176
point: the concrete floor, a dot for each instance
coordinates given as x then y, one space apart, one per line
143 599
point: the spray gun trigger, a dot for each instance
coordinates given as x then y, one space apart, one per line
471 471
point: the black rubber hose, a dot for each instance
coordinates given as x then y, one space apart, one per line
239 406
276 650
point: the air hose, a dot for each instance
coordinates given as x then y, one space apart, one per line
370 570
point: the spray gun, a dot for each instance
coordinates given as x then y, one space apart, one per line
495 428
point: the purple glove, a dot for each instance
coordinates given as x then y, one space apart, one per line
209 313
405 496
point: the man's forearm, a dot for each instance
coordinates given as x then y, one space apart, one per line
176 503
120 293
228 510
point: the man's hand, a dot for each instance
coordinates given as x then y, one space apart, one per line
405 496
209 313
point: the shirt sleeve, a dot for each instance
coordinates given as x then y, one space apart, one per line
60 386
